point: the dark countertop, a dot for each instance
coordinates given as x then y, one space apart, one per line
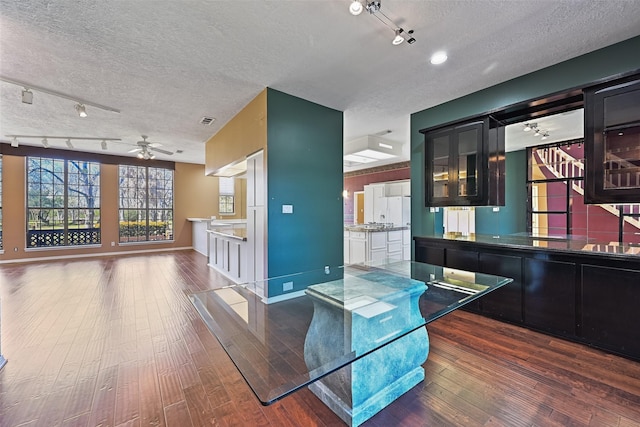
579 244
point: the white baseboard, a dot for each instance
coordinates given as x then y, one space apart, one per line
100 254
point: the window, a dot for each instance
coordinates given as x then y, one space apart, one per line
63 202
227 196
146 204
556 188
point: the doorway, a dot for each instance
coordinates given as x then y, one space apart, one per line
358 207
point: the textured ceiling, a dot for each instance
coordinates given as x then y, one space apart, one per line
165 63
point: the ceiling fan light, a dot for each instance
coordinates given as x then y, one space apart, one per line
45 143
355 8
104 144
82 112
14 142
527 127
140 155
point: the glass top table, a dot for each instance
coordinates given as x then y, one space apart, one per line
271 346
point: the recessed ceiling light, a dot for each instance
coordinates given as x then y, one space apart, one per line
439 57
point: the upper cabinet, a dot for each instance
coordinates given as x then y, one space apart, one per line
464 163
612 142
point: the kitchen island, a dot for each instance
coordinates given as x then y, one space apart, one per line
376 242
228 250
574 288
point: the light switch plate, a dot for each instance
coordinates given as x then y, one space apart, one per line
287 209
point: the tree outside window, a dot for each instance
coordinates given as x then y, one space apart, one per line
63 202
146 204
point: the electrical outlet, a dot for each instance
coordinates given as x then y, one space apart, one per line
287 286
113 243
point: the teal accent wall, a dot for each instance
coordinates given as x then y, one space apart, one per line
620 58
304 169
512 217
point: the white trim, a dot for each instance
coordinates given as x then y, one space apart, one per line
100 254
283 297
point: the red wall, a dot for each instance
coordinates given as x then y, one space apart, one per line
353 183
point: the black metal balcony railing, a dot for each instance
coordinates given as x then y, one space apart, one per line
49 238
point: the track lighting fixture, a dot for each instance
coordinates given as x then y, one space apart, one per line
45 140
528 127
27 96
373 7
28 89
398 38
356 8
82 112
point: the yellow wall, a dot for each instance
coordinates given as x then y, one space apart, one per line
195 195
245 134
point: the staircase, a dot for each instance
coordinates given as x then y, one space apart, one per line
562 165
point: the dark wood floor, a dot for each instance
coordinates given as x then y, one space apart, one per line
115 342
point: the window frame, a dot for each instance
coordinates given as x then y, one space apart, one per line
145 207
92 235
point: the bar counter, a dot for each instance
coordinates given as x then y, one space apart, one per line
577 289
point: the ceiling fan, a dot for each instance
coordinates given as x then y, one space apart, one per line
146 149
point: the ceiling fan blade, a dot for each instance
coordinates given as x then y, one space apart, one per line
135 150
160 150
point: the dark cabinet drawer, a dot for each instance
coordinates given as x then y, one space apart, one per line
506 302
550 296
610 316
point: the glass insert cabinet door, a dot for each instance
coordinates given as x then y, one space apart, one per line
454 156
612 142
468 162
440 166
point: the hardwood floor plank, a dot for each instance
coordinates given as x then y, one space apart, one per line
177 415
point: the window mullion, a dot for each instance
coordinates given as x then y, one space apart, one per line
147 202
65 204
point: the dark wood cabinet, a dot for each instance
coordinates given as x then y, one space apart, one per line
465 163
612 142
610 316
505 302
550 295
464 260
430 254
581 296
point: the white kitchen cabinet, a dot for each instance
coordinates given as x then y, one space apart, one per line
394 244
358 252
228 255
374 203
406 245
366 246
347 240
